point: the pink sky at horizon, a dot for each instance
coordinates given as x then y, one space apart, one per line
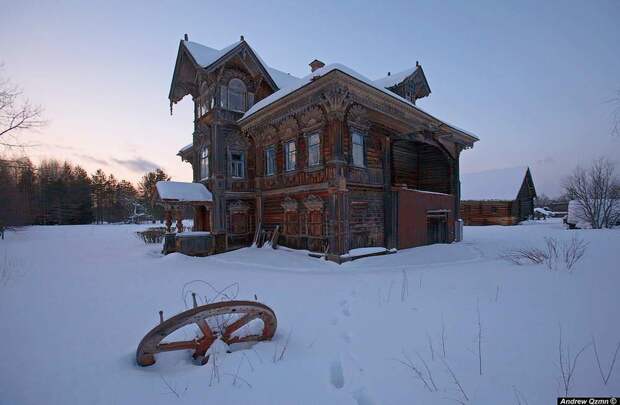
536 97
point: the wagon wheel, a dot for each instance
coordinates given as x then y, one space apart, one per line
207 318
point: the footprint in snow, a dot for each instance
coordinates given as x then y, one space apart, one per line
336 375
362 398
346 312
346 336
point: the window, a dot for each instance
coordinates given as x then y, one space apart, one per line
270 161
358 149
290 157
314 150
237 169
204 163
236 95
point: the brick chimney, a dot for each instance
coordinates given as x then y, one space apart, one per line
316 64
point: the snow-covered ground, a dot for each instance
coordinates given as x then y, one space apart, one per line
76 300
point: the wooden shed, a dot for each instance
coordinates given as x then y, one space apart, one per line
497 197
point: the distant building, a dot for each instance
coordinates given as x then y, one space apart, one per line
329 162
497 197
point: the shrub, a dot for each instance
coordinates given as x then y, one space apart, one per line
556 255
152 235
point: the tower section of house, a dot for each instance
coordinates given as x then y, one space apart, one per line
334 160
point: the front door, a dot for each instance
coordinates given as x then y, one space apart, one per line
436 228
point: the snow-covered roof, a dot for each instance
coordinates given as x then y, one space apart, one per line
206 56
500 184
393 80
183 191
304 81
186 148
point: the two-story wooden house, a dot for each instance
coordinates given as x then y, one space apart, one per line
335 160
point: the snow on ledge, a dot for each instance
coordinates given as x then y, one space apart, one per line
182 191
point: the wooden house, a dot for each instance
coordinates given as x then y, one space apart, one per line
497 197
335 161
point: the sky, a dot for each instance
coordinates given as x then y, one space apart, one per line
532 79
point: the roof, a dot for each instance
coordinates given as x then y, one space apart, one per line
185 148
206 56
306 80
498 185
177 191
396 78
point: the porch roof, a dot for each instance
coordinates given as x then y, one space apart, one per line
183 192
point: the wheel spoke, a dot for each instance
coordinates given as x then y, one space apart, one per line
230 329
182 345
205 329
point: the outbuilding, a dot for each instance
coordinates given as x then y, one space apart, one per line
497 197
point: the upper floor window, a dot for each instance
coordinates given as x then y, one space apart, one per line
235 96
204 163
270 161
314 149
290 155
237 165
357 141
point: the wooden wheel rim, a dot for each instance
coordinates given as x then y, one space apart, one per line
151 343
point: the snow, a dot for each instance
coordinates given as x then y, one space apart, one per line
206 56
186 147
365 251
396 78
76 300
192 234
500 184
182 191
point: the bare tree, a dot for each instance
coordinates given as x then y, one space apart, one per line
17 114
597 190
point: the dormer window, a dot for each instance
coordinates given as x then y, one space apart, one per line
236 95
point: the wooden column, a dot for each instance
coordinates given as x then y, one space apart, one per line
179 218
168 219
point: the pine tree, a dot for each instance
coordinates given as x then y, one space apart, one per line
147 190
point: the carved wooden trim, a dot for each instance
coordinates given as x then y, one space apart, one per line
236 141
312 120
288 129
335 99
289 204
314 203
357 117
238 207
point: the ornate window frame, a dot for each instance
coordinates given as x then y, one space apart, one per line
204 163
271 148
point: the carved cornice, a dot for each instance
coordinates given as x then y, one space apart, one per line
235 140
288 128
312 119
357 116
314 203
289 204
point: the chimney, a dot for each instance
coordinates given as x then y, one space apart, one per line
316 64
417 64
186 37
242 39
